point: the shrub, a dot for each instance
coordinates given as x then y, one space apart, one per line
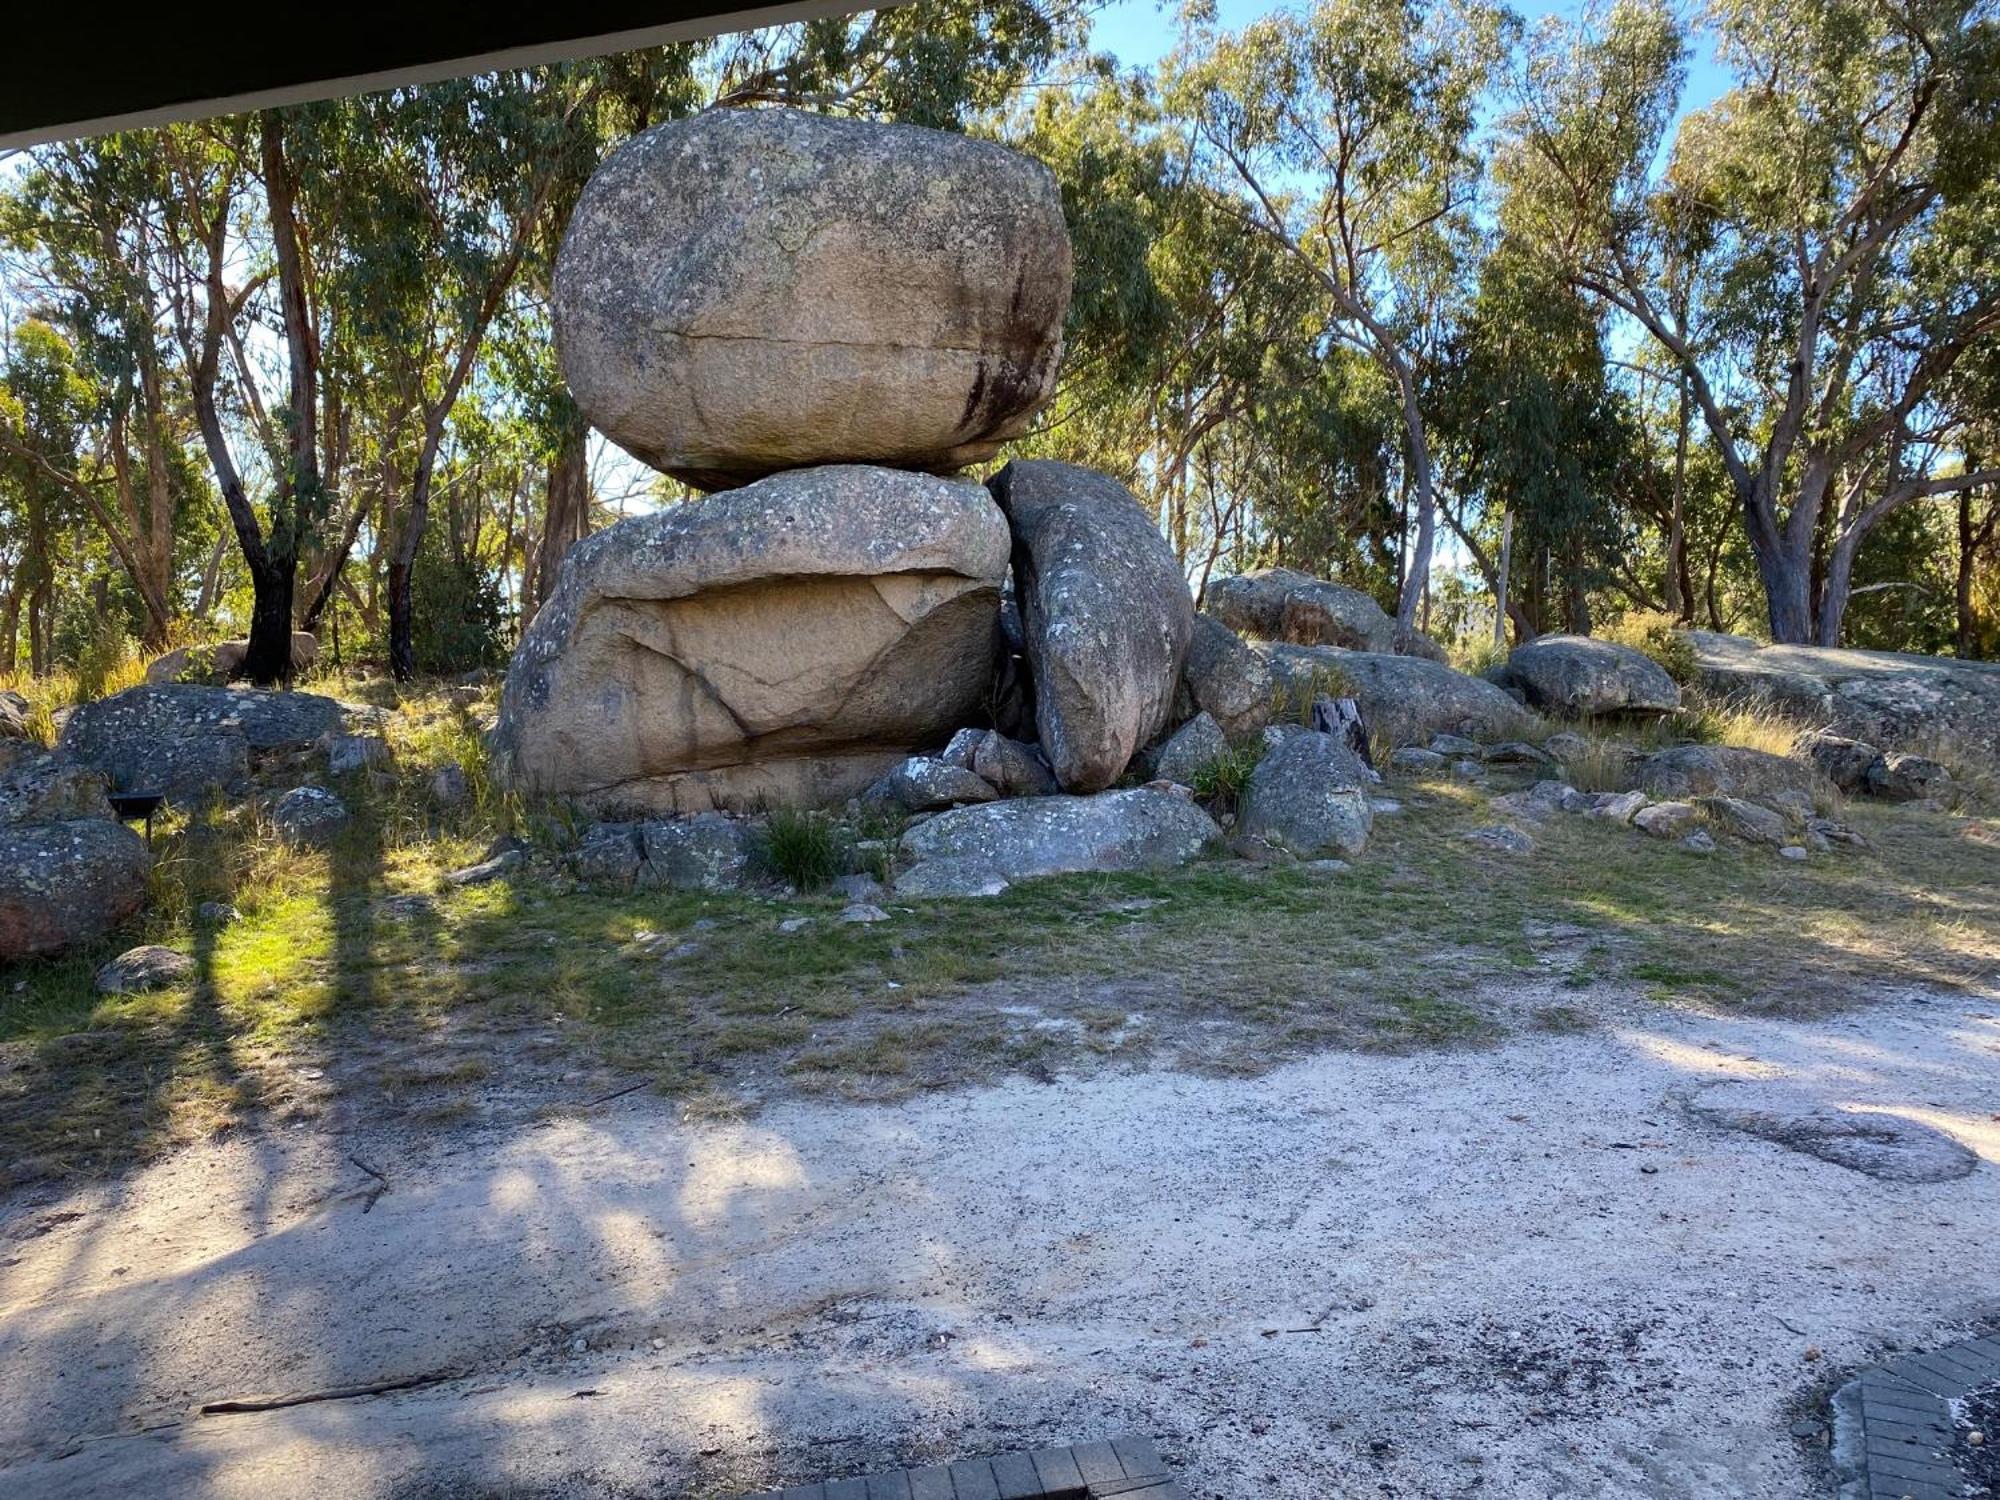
803 848
458 615
1222 780
1660 636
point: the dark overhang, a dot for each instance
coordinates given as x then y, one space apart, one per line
72 69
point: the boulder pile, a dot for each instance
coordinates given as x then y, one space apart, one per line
825 321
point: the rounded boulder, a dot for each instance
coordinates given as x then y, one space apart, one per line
749 291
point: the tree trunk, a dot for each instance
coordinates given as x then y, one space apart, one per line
1679 603
268 661
1963 642
1500 591
10 626
1417 580
566 516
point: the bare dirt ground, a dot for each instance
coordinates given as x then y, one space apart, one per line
1523 1271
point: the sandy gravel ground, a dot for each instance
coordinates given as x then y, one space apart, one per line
1525 1272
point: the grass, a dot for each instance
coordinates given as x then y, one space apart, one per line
359 979
805 850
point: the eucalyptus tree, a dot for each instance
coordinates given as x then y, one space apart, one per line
1348 136
1843 201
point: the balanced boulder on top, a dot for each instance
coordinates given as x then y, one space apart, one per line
750 291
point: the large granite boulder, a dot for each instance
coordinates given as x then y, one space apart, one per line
1283 604
1579 677
190 742
1887 698
785 643
1225 678
65 883
749 291
1030 836
1407 698
1105 611
1306 796
1686 771
217 663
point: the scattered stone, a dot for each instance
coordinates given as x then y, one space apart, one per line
951 877
1882 1145
960 749
488 870
1305 797
1226 679
1190 750
1566 746
1502 839
858 888
1415 758
1843 761
217 914
1686 771
1835 833
347 753
1541 801
309 817
1619 807
1028 837
708 852
781 644
1455 745
1469 770
146 968
755 290
1017 769
1105 611
861 912
1701 841
1900 777
1326 866
1518 753
1749 821
1581 677
1793 852
1384 807
67 882
924 783
449 787
794 924
1666 820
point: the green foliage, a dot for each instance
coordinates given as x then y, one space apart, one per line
1220 783
460 617
1661 637
805 849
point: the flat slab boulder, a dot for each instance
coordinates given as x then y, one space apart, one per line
1685 771
1578 676
754 290
67 883
1031 836
785 644
1105 613
1879 1144
190 742
1408 698
1887 698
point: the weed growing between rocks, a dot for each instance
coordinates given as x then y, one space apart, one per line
805 850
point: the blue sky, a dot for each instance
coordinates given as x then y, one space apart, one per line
1141 32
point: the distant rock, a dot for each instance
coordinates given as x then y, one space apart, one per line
1405 698
1883 698
1282 604
217 663
67 882
753 290
1306 797
1105 611
1034 836
1901 777
1501 839
1685 771
149 968
1843 761
1581 677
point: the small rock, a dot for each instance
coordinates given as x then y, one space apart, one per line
145 968
1701 841
925 783
309 817
1907 778
487 870
1621 807
1541 801
1190 750
1565 746
1468 770
951 877
1518 753
1017 769
347 753
1326 867
795 924
1504 840
449 787
217 914
862 911
1750 821
1416 758
1666 820
1792 852
1450 745
858 888
961 748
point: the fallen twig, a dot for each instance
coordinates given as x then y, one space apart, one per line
332 1393
379 1178
630 1088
